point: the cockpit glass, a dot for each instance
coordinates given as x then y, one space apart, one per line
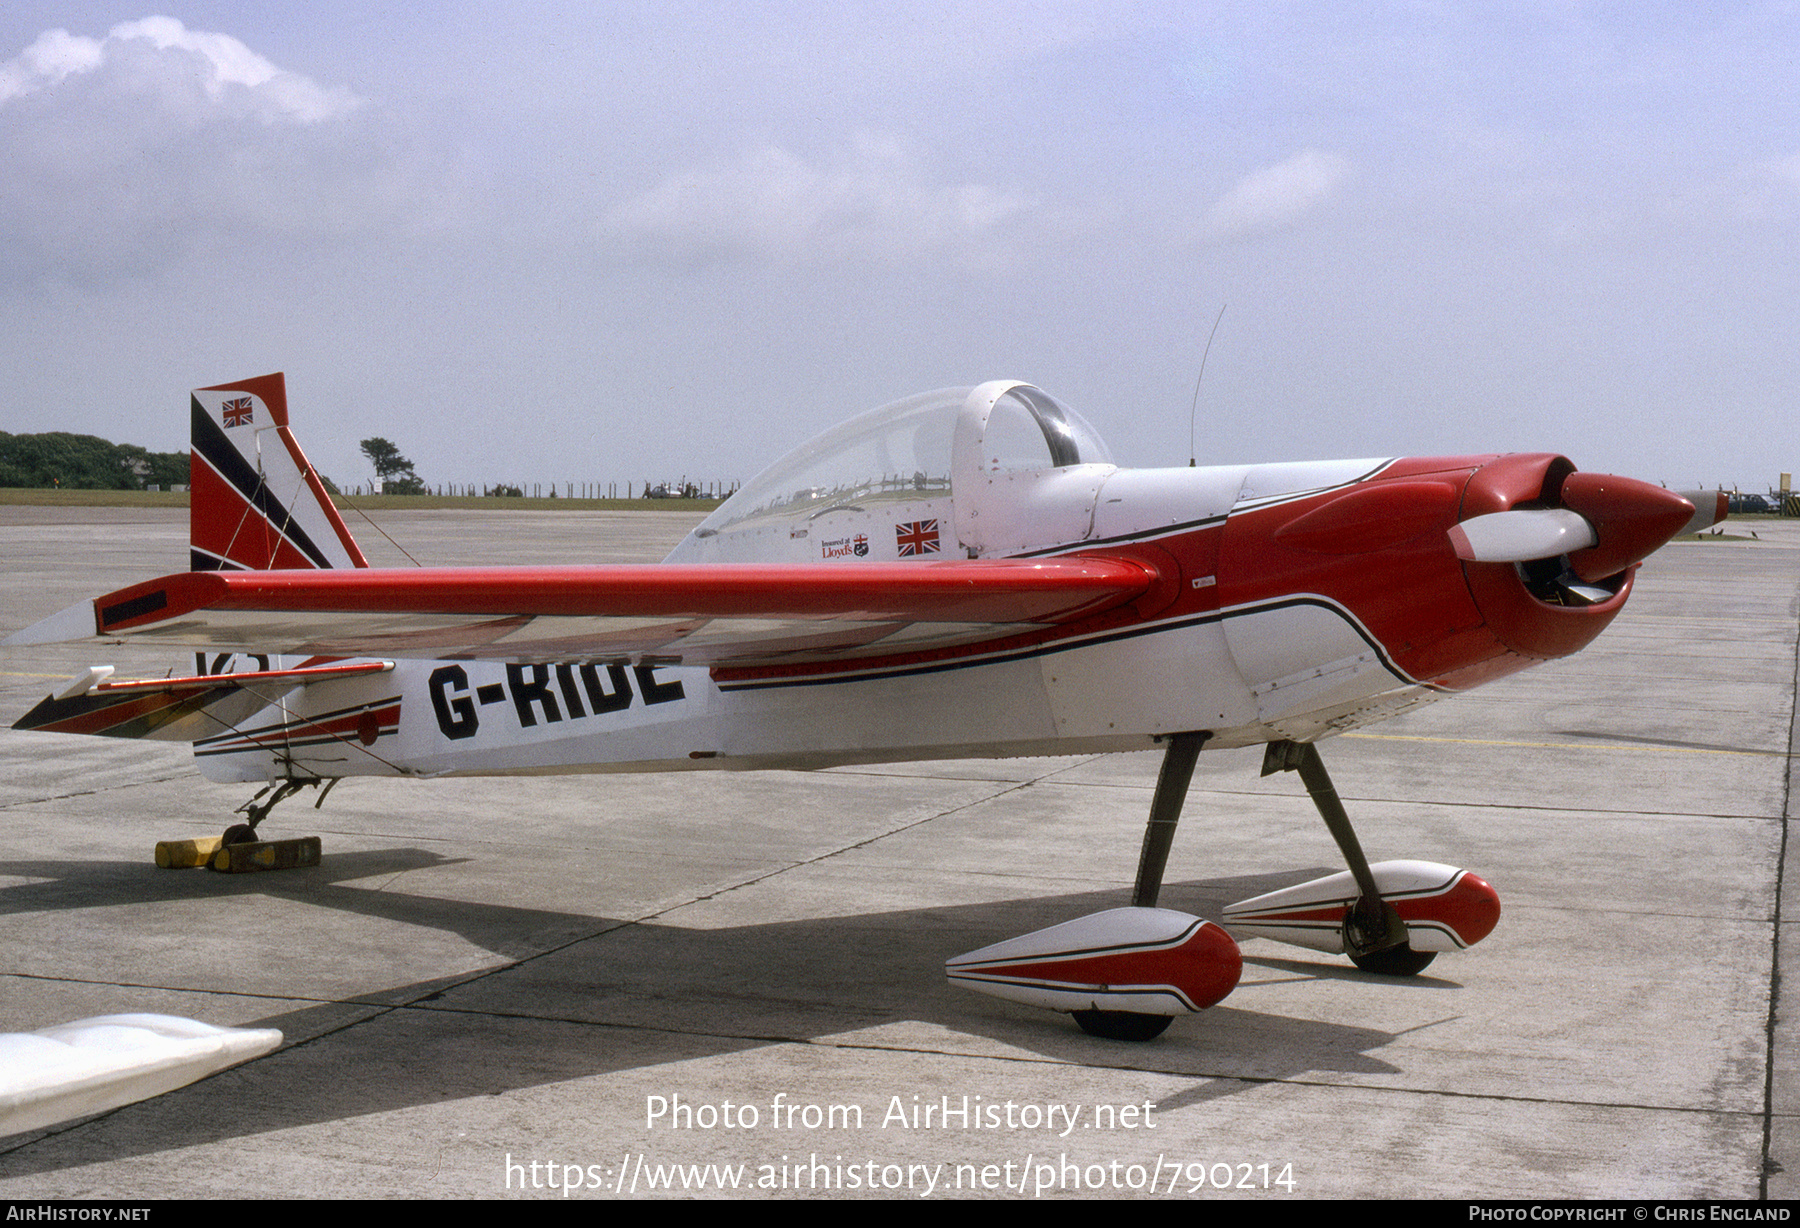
900 452
1028 429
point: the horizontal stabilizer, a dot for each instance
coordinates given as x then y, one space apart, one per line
175 709
738 614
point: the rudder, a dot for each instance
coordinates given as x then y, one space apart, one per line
255 507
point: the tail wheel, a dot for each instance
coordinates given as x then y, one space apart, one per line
239 833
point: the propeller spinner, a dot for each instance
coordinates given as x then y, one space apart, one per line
1605 525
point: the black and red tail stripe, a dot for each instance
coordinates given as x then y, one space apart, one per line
256 502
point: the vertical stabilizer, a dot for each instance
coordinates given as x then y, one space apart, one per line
256 502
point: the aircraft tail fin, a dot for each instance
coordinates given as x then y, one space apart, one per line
256 502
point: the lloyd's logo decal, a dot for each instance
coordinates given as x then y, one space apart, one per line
605 688
844 547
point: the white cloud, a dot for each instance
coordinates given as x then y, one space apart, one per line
875 203
126 153
180 58
1278 195
54 55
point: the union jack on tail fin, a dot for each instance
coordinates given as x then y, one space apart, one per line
256 502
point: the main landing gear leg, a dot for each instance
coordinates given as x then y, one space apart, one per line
1374 934
1159 834
257 810
1165 812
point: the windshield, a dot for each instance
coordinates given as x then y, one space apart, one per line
900 452
1029 429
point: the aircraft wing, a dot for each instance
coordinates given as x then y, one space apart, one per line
719 614
92 1065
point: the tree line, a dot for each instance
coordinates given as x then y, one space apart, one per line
86 462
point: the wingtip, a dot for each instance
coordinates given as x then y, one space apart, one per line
76 622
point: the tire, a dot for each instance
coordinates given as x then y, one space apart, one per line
1395 961
239 833
1122 1025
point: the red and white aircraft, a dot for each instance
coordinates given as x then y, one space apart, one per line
964 573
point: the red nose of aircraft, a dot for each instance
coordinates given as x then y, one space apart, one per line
1631 520
1548 552
1604 524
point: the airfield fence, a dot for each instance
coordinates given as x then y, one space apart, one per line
683 489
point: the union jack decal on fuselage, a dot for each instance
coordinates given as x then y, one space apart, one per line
916 537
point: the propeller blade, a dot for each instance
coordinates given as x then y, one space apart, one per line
1521 535
1710 507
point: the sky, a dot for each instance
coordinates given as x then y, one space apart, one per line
602 242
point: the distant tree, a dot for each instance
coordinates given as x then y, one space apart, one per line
170 469
394 470
165 470
86 462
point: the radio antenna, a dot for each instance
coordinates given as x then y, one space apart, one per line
1194 412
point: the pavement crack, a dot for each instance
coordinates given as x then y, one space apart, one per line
1771 1025
62 797
867 841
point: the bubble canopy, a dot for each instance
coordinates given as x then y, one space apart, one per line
911 450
